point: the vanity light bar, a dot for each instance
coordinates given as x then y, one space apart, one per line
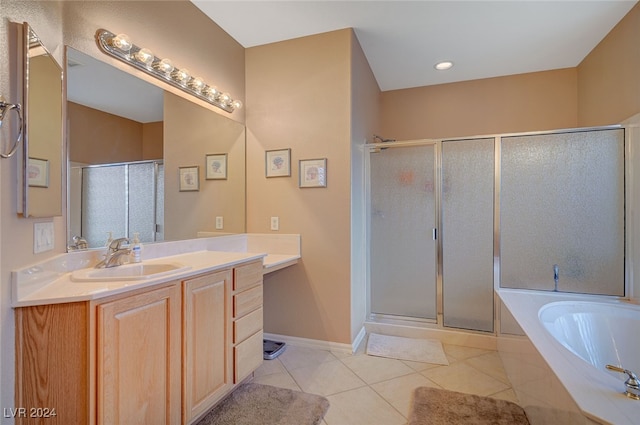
120 47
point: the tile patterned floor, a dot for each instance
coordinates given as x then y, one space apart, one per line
367 390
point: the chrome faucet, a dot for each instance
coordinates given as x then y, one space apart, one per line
632 384
556 276
115 253
79 243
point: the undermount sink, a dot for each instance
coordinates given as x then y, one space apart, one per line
139 271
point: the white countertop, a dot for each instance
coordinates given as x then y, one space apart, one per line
51 282
598 395
63 289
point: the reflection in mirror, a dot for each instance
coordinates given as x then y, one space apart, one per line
127 140
42 155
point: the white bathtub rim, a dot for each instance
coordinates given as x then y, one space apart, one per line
598 396
593 306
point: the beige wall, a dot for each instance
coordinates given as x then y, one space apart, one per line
609 77
209 51
516 103
365 119
16 234
298 97
152 140
191 132
97 137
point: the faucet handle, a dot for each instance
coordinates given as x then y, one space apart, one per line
116 244
632 384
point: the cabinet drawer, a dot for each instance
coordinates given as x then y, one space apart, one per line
247 276
247 357
247 326
247 301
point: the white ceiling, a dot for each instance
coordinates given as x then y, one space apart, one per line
95 84
402 40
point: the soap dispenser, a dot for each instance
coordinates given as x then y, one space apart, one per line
136 249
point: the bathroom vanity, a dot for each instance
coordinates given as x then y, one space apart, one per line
164 349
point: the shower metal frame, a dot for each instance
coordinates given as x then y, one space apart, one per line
439 321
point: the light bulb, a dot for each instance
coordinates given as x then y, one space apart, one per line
236 104
443 66
197 84
121 42
165 66
145 56
181 75
225 98
211 92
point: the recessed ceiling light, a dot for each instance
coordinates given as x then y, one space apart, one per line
443 66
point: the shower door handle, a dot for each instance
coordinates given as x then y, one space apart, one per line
434 234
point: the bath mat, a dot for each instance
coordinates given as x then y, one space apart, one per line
252 404
433 406
417 350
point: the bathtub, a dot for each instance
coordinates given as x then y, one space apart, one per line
575 336
598 333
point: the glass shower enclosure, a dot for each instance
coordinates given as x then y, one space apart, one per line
122 199
450 220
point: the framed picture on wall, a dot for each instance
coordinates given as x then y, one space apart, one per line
189 178
216 166
278 163
313 172
38 172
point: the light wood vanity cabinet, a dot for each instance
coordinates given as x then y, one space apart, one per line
138 358
207 367
247 319
160 355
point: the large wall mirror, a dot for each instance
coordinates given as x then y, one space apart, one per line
130 143
42 154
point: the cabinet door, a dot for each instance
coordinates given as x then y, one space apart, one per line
139 358
207 348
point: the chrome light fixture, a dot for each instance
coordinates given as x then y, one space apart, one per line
120 47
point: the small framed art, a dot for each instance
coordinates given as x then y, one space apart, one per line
278 163
189 178
216 166
313 172
38 172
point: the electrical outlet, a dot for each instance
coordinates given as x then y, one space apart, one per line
275 223
42 237
219 223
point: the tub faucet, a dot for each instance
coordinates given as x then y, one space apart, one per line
632 384
114 254
556 276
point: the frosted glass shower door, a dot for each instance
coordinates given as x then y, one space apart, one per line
142 200
562 203
104 203
467 233
403 256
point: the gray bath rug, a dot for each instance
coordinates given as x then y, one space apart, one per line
257 404
433 406
413 349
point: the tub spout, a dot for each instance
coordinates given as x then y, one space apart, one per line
632 384
556 276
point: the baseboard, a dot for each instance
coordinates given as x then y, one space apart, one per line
312 343
358 340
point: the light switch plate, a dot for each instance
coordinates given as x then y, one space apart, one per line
275 223
219 222
42 237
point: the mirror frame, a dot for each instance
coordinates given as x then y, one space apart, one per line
24 60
